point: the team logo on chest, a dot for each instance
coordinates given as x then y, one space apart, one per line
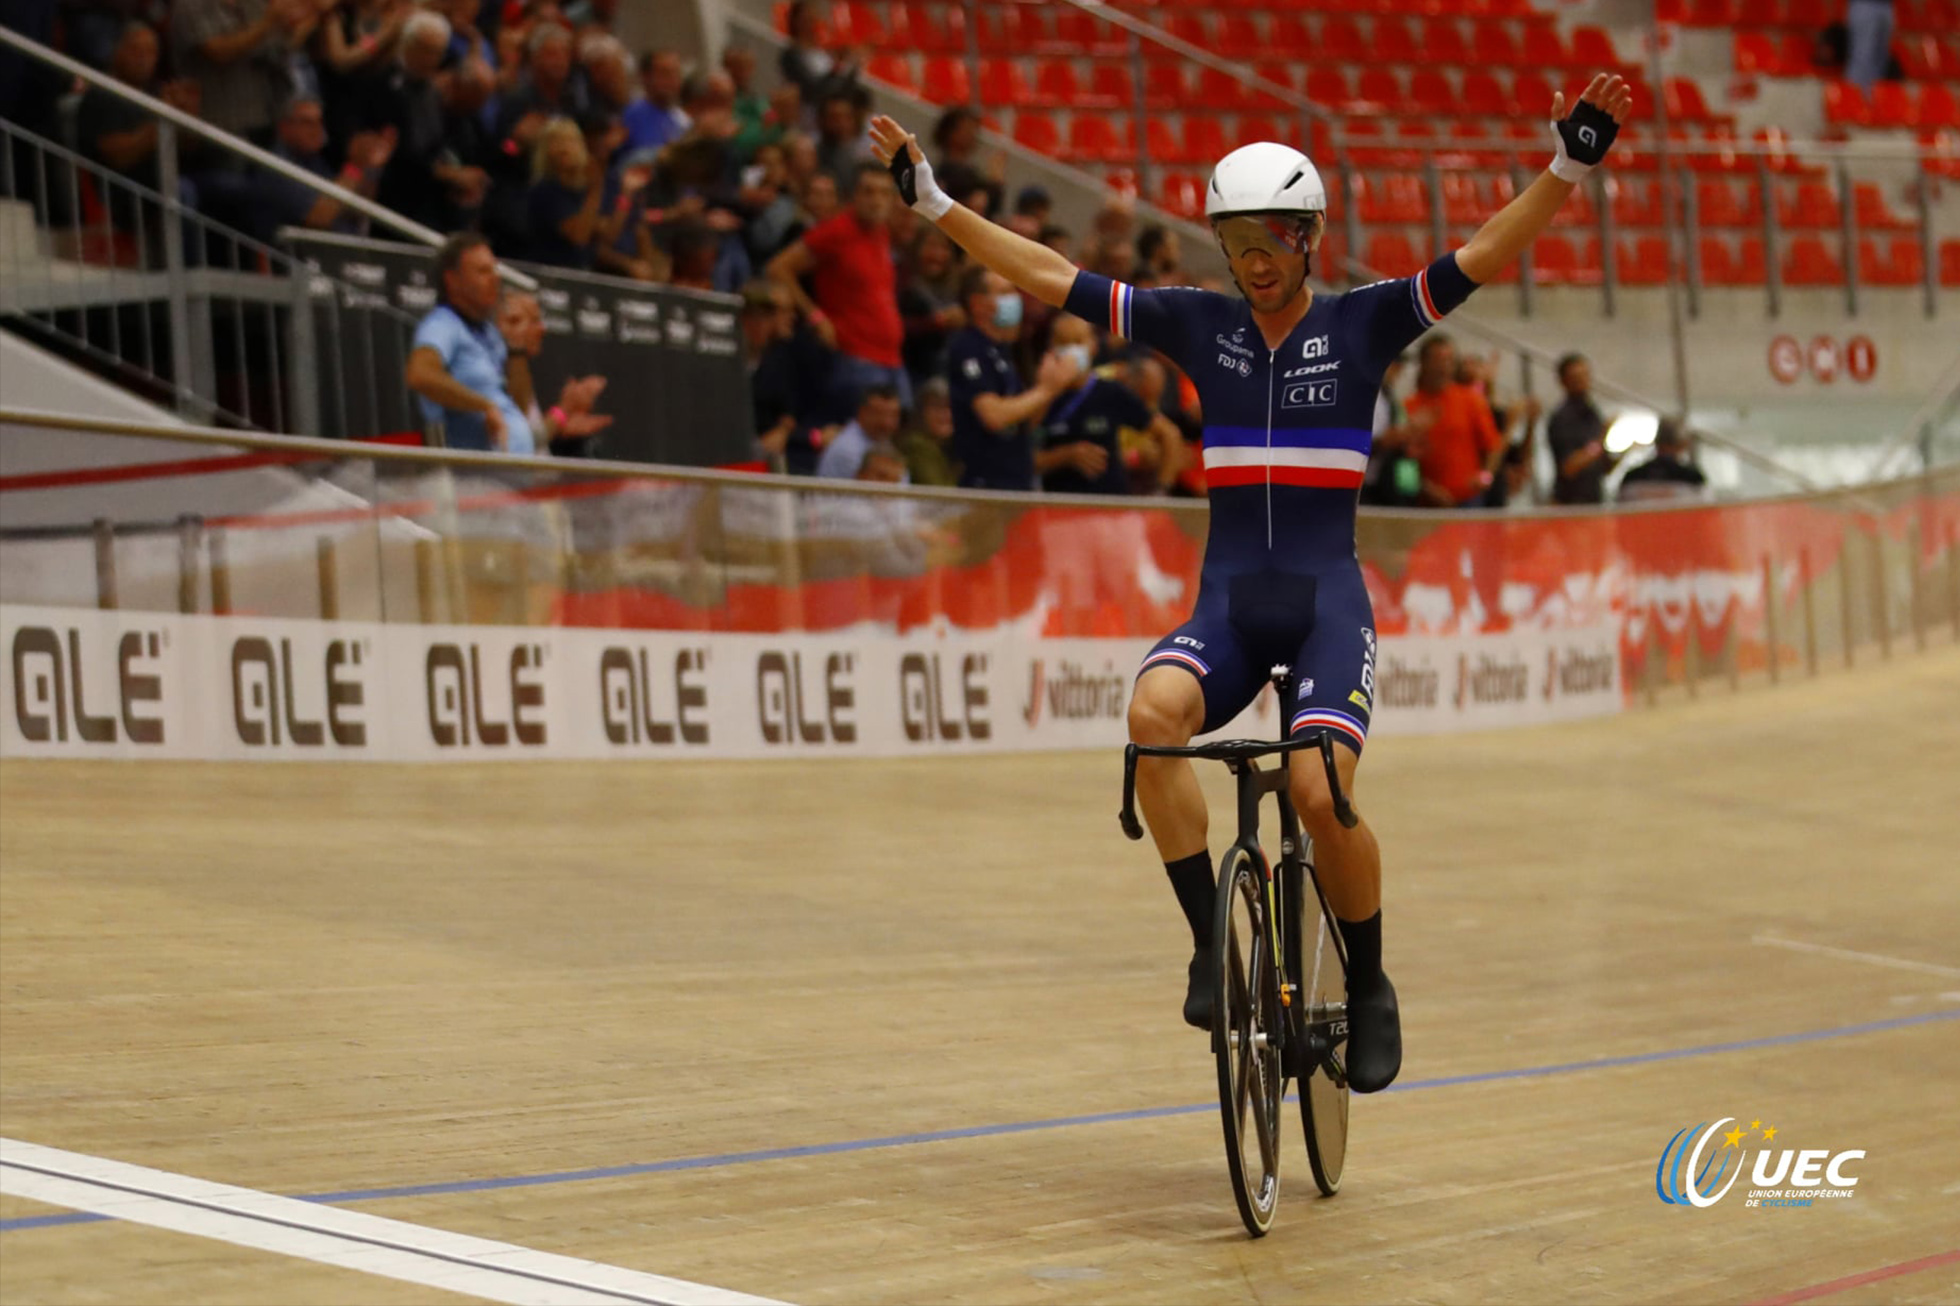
1314 347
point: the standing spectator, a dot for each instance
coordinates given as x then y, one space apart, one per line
927 442
814 69
1079 436
1160 256
118 134
425 178
751 106
466 39
351 50
843 146
1577 434
456 366
241 55
957 138
1510 488
566 188
1868 30
929 302
991 410
1462 448
876 423
1670 474
786 364
1394 475
656 117
548 89
608 72
301 141
570 426
770 211
854 290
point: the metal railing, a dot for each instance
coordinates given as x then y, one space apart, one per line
172 305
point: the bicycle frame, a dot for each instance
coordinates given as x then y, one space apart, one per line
1284 894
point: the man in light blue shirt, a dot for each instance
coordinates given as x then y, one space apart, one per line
456 367
876 424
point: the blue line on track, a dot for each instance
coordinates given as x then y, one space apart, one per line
1027 1126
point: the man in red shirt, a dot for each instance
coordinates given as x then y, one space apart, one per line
853 295
1461 447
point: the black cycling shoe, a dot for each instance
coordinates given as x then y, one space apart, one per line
1197 996
1374 1046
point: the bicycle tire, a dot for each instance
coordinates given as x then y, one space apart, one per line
1245 1012
1323 1097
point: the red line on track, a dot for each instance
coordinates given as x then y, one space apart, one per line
179 467
1849 1282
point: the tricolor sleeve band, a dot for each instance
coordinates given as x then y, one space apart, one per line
1103 302
1439 289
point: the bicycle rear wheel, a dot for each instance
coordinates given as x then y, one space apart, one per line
1323 1093
1245 1016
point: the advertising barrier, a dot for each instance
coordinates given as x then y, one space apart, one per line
404 605
80 683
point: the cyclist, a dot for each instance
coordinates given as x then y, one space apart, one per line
1288 381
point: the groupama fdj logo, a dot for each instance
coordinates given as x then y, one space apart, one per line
1696 1172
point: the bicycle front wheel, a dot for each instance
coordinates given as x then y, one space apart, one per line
1245 1020
1324 1091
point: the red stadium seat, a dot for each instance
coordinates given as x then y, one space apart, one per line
1204 138
1684 101
855 23
1443 43
1391 254
1482 96
1643 262
1463 200
1329 88
1028 31
1577 211
1635 203
1037 131
1110 87
1239 36
1759 13
1123 181
1221 91
1391 198
1078 32
1892 105
1542 47
934 29
1812 204
1531 96
990 30
1055 84
1286 34
1280 74
1183 194
1378 90
1810 263
944 81
1553 261
1950 263
1001 83
1811 15
894 70
1717 266
1893 264
1711 13
1162 142
1756 52
1937 107
1493 46
1430 93
1592 49
1340 41
1716 205
1189 27
1164 85
1252 128
1394 42
1874 214
1093 138
1750 267
1845 105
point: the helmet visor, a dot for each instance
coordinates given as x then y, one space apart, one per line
1273 234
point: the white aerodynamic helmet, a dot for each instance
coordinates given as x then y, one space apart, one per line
1265 177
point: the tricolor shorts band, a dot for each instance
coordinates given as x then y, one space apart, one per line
1341 724
1176 657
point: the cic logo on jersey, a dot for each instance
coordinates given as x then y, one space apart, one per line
1696 1171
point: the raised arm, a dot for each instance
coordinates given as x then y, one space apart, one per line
1030 265
1583 141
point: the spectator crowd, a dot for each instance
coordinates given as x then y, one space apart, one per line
875 349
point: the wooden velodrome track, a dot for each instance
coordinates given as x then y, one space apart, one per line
953 985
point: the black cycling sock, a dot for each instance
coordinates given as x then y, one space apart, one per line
1364 950
1191 879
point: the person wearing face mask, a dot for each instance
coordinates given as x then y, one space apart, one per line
991 409
1080 435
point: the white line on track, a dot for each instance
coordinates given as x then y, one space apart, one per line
1847 954
477 1267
